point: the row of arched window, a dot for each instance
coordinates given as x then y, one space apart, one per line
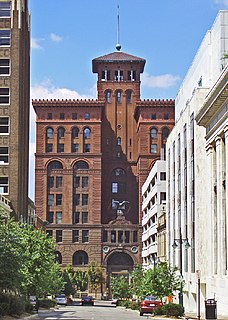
74 133
118 96
79 258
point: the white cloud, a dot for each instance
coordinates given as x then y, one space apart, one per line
222 2
161 81
54 37
35 44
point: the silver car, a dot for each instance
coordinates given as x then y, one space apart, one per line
61 299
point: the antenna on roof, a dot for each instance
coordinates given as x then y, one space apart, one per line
118 46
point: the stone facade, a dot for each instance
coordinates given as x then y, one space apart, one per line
14 104
92 159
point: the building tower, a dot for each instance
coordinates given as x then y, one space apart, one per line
14 103
92 158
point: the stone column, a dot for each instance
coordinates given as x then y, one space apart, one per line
226 196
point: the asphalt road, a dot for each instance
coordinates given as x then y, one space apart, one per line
102 310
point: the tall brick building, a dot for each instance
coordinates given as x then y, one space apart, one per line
92 158
14 103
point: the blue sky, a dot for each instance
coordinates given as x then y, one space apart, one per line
67 34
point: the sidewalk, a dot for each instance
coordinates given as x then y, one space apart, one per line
188 316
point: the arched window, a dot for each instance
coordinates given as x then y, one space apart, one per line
153 133
80 258
108 96
82 165
118 141
61 132
49 133
119 172
118 96
55 165
74 132
128 95
165 133
86 133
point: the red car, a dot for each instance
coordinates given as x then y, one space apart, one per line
149 304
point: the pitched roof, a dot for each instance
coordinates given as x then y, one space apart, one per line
117 56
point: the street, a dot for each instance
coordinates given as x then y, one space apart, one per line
102 310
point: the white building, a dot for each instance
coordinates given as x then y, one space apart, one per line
153 203
188 201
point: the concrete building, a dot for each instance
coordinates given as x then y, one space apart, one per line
153 206
14 104
191 216
92 158
214 117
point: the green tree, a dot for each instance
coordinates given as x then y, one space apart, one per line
68 281
120 287
81 279
136 280
95 276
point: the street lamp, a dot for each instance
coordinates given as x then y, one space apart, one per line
181 241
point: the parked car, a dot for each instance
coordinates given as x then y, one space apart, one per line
34 302
87 300
61 299
149 304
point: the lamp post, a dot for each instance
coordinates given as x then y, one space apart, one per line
181 241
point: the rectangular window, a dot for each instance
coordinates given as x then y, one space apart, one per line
166 116
4 185
76 199
59 217
49 233
62 116
85 182
50 199
4 67
163 176
153 116
86 147
49 116
85 198
59 199
76 182
74 116
4 38
74 147
153 148
135 236
105 236
113 236
49 147
4 125
76 217
84 217
114 187
85 236
59 235
50 217
120 236
121 187
5 9
4 95
127 237
60 147
50 182
87 116
59 182
162 197
4 155
75 235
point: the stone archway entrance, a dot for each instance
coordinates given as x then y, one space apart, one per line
118 264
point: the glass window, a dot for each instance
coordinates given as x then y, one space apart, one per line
120 236
108 96
60 147
84 217
127 236
59 199
76 182
153 148
4 95
153 116
87 147
119 141
5 9
49 233
105 236
80 258
59 217
114 187
86 133
165 133
118 96
50 217
166 116
135 236
50 182
163 176
76 199
105 75
4 37
87 116
59 181
75 132
85 181
4 125
61 132
153 133
55 165
4 67
85 199
49 147
76 217
75 147
75 235
62 116
49 116
85 236
129 94
4 155
119 172
59 236
50 199
74 116
131 75
4 185
49 133
113 236
82 165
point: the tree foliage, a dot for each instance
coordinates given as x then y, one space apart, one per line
95 276
120 287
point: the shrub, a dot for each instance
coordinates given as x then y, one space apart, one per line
17 305
46 303
134 305
171 309
4 308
